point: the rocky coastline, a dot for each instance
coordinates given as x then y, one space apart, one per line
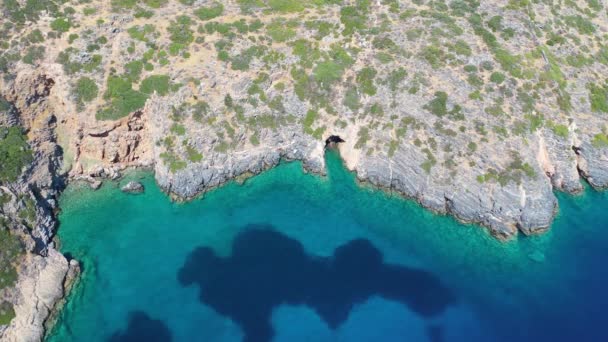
46 274
462 136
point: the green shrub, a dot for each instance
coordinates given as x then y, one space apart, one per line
158 83
141 32
434 55
326 73
133 70
180 31
33 54
600 140
395 78
582 25
309 120
354 18
362 137
72 38
241 61
35 37
7 312
15 153
173 161
286 6
60 25
280 32
123 99
178 129
86 90
193 155
438 105
598 97
497 77
351 99
209 12
155 3
560 130
365 79
462 48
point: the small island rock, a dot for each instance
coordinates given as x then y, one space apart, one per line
133 188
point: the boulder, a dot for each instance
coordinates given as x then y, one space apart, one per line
133 187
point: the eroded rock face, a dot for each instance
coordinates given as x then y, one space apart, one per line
44 271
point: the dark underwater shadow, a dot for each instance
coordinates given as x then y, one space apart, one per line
268 269
142 328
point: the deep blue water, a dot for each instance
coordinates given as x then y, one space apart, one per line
288 256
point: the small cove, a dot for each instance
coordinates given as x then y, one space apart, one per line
134 247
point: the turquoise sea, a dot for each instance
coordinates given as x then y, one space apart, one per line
288 256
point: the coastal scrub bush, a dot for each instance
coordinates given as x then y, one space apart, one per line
365 78
86 90
60 25
10 250
600 140
33 54
193 155
209 12
309 120
71 67
351 99
560 130
123 99
497 77
362 137
28 213
141 32
598 97
178 129
155 3
15 153
395 78
175 164
133 70
155 83
242 60
180 31
35 37
582 25
354 18
286 6
279 31
7 313
326 73
438 105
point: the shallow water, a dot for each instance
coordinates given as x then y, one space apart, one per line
288 256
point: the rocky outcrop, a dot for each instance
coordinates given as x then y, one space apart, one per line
217 168
42 284
101 150
133 188
593 165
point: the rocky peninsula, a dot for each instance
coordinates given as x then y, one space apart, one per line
480 110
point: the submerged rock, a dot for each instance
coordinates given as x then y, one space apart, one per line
96 184
537 256
133 188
